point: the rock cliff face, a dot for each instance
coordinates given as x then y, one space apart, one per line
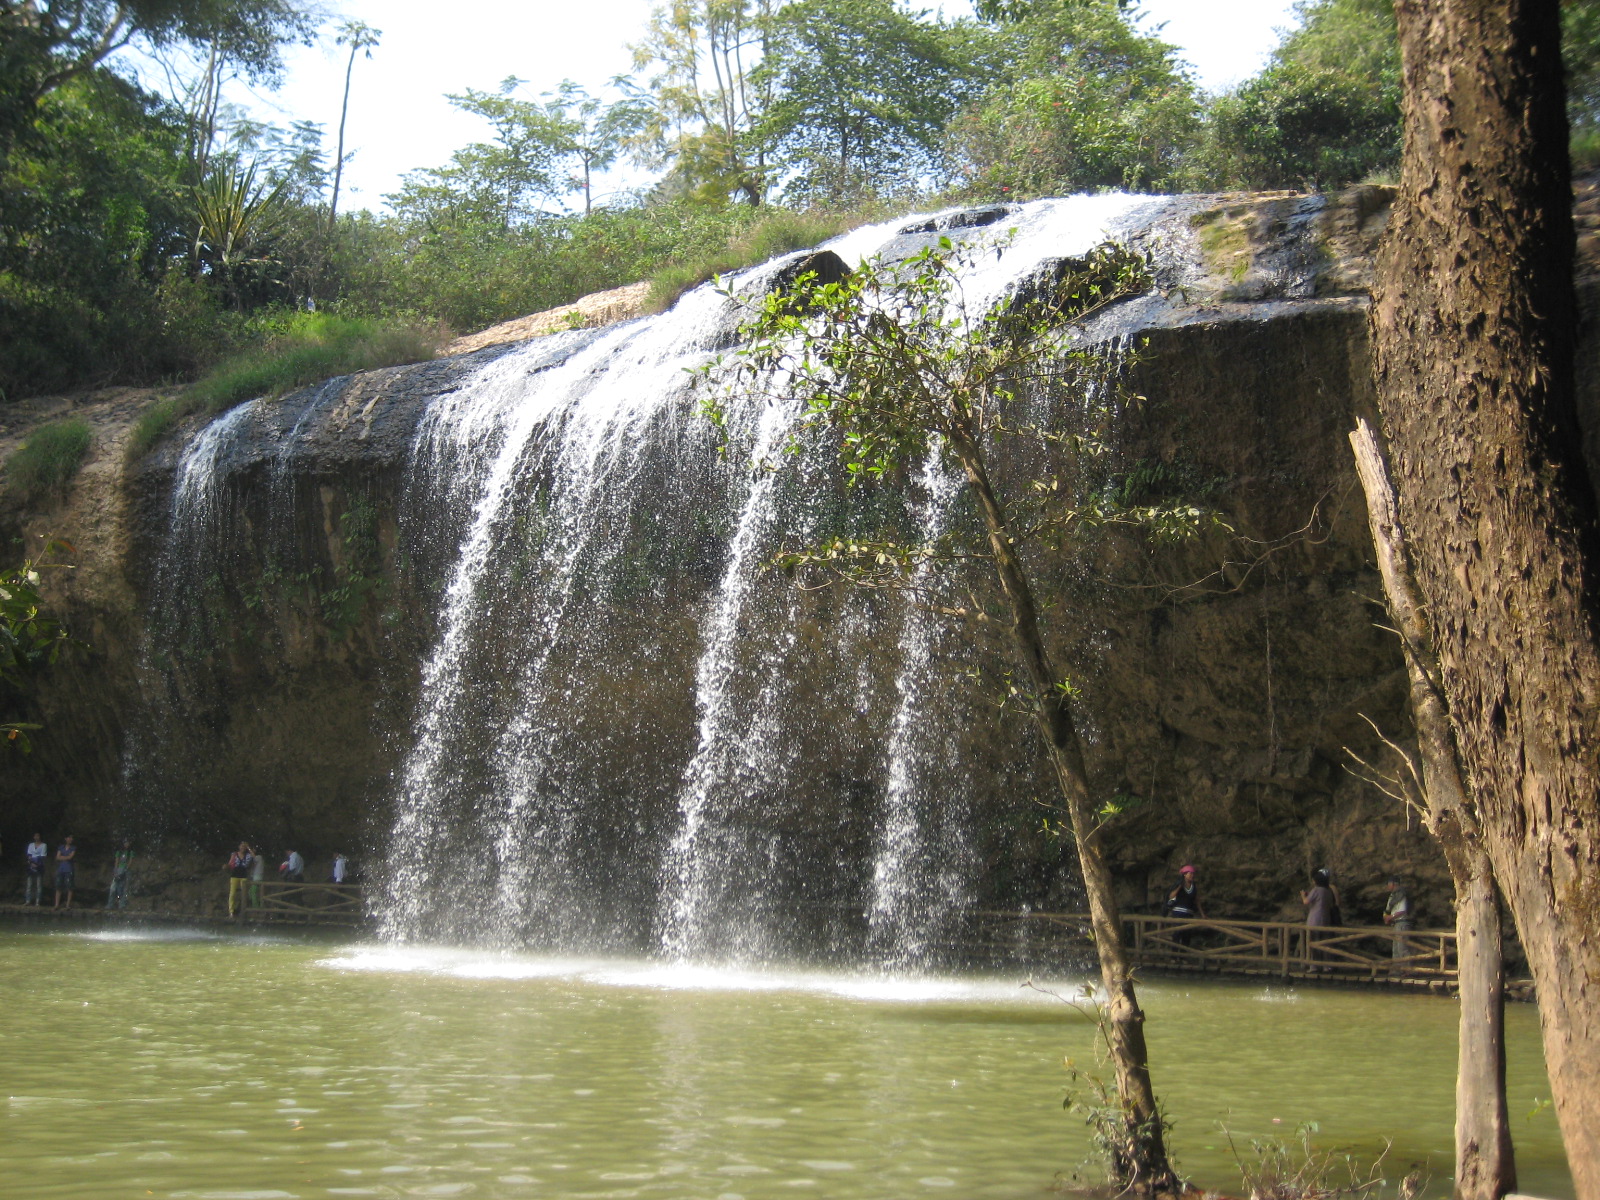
257 645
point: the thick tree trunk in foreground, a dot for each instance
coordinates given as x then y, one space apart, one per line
1146 1166
1472 322
1485 1166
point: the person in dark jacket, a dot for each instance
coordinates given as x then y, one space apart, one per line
1184 901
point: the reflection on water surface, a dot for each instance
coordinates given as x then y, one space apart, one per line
191 1064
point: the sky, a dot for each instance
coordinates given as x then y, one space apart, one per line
400 120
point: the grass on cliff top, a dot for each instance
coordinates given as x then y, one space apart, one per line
308 348
299 349
45 464
781 231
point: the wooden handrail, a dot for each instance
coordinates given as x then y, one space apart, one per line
279 899
1289 949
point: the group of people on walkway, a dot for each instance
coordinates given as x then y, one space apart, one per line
1321 902
246 870
37 856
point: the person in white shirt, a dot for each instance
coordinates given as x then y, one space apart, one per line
37 853
340 865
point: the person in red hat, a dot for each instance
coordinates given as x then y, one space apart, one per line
1184 901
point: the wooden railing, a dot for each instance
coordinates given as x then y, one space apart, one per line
308 903
1288 950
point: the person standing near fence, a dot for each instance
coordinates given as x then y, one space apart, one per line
121 868
1322 907
341 866
258 870
37 852
1184 901
293 868
66 870
239 864
1397 915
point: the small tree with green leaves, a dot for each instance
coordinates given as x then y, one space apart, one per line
239 213
890 364
592 133
30 640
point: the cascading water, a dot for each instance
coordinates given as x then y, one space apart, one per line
922 867
177 618
511 838
546 460
725 758
628 734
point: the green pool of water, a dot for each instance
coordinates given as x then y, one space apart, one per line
175 1064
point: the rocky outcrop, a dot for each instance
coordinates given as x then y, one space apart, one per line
1225 681
591 312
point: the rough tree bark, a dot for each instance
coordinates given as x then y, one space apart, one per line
1142 1159
1472 322
1485 1166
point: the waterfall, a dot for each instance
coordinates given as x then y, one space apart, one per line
922 865
547 465
177 627
545 460
627 733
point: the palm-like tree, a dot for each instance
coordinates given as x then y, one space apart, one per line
358 35
237 214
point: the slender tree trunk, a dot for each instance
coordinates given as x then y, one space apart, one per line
1485 1165
1473 327
338 158
1146 1167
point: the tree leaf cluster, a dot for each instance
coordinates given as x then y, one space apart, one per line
31 638
892 363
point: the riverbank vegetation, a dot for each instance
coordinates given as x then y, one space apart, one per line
148 234
31 639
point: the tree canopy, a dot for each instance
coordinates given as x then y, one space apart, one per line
45 44
1088 102
863 92
129 252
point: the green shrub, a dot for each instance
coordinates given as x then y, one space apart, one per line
308 348
780 231
156 420
1292 125
45 464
